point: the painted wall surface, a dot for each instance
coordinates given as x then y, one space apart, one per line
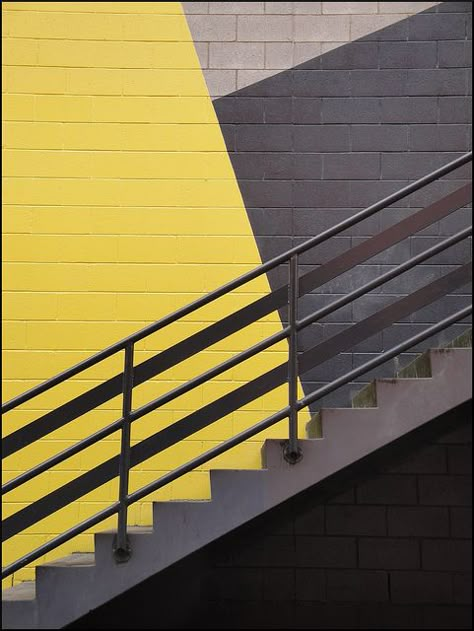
313 144
241 43
120 205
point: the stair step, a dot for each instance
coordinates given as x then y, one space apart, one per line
22 592
462 341
366 398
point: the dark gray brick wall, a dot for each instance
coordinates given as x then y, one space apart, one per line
314 144
362 550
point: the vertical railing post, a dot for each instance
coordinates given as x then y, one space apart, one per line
292 452
122 550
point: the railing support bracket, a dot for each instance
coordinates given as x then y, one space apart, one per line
121 554
290 455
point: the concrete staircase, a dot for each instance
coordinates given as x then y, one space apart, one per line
436 382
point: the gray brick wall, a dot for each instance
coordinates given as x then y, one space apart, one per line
239 43
313 144
366 549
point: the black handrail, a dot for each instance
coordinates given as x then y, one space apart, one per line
237 282
130 456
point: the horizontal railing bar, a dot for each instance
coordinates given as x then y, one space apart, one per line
234 400
236 321
373 284
209 374
302 403
62 456
386 356
234 361
235 440
237 282
208 455
60 539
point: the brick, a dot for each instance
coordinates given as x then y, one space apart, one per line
278 55
321 28
351 110
388 616
449 82
307 110
378 27
196 7
329 616
235 584
400 166
379 138
460 434
321 83
309 8
310 522
325 552
235 8
461 522
278 110
454 54
239 110
435 26
279 7
321 138
427 459
378 82
456 109
220 82
359 586
446 617
236 55
356 56
356 520
460 459
354 166
279 584
345 8
310 584
308 54
215 28
438 138
409 109
272 193
325 194
263 138
446 556
445 490
389 554
408 54
264 83
388 489
420 587
267 28
462 587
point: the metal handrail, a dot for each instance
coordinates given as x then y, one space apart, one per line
235 360
237 282
231 442
121 545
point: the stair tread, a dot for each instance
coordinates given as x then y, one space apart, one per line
76 559
20 592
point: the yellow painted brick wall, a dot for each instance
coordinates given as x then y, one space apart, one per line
120 205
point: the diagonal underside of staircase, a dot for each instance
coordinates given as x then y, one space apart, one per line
65 590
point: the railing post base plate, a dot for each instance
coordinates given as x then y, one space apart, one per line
290 455
121 554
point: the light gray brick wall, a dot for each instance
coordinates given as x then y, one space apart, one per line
239 43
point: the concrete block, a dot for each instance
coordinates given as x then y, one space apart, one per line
389 554
325 552
279 8
455 54
378 82
325 28
236 8
265 28
202 50
449 82
356 520
408 54
359 586
438 137
196 7
278 55
356 56
354 166
417 521
446 555
220 82
409 109
351 110
321 138
436 26
420 587
307 8
379 138
215 28
345 8
405 7
321 83
304 52
379 27
236 55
